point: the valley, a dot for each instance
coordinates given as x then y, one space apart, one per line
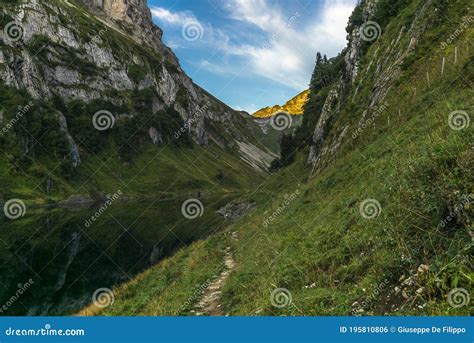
129 190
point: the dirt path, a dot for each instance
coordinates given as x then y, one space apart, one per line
210 303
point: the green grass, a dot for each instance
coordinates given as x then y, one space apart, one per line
319 246
195 266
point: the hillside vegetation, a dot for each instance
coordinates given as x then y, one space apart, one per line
380 220
68 66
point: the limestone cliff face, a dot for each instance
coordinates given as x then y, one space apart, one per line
85 50
383 69
135 14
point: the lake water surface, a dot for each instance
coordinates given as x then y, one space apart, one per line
51 261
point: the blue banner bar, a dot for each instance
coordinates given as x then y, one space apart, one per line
237 329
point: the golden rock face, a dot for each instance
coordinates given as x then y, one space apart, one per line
294 106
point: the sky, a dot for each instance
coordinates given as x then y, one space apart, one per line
252 53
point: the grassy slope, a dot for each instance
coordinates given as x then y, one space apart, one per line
168 167
159 169
319 247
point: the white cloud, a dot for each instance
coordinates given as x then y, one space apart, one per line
288 57
176 18
209 36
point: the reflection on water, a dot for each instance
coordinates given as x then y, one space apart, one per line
51 261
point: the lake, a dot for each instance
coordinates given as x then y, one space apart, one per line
52 260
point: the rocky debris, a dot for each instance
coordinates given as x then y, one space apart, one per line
155 136
236 209
410 288
255 156
73 148
210 303
329 111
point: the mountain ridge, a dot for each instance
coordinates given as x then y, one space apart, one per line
294 106
80 60
357 224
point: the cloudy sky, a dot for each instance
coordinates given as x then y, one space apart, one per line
252 53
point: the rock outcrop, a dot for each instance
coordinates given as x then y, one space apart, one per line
92 50
383 70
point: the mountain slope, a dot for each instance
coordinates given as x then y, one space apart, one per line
293 106
88 78
375 217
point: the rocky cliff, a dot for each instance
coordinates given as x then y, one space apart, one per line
110 51
383 69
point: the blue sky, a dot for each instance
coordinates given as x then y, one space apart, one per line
252 53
